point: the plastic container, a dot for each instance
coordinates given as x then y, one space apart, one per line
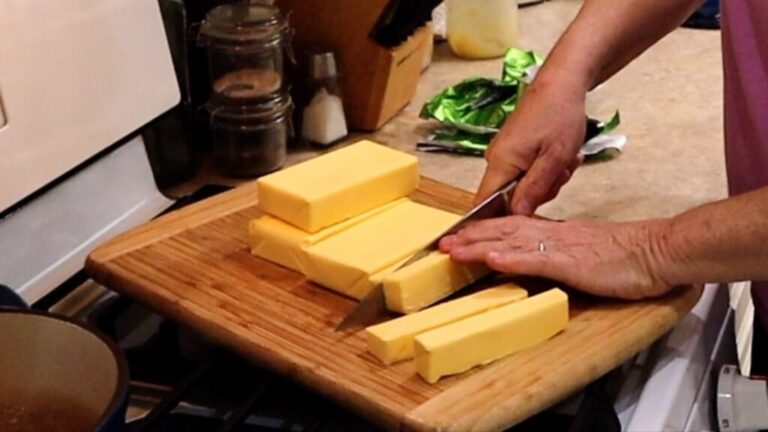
245 45
251 140
481 29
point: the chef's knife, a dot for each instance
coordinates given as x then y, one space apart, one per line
372 308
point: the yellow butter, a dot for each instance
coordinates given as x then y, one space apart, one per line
361 287
339 185
284 244
427 281
482 338
392 341
346 261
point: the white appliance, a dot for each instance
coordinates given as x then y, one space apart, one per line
77 78
670 386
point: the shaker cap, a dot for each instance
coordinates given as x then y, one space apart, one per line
320 64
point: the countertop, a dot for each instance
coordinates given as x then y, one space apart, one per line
671 105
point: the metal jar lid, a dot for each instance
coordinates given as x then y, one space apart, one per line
243 23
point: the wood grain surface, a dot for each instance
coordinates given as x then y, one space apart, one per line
194 265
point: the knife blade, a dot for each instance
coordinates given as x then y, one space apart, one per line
372 308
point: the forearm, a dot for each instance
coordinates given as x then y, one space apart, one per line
719 242
608 34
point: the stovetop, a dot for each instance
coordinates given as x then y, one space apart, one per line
182 382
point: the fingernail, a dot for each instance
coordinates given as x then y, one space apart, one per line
523 207
447 242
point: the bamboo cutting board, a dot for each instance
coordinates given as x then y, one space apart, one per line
194 266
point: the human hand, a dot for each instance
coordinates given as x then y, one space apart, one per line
601 258
541 138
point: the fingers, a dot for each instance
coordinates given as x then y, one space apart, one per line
477 252
486 230
509 245
527 263
495 177
447 243
507 159
473 243
532 188
511 258
562 179
537 183
576 162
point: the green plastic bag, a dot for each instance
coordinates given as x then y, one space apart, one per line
481 105
473 111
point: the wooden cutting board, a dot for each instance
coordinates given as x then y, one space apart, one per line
194 265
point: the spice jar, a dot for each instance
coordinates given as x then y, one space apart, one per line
251 140
245 47
322 118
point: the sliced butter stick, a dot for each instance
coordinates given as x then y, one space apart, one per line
485 337
392 341
280 242
428 281
346 261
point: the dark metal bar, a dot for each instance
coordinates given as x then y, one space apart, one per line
242 411
167 404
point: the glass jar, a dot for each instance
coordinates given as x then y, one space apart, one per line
481 29
251 140
245 47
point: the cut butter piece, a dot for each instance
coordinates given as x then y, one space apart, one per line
488 336
392 341
282 243
427 281
346 261
339 185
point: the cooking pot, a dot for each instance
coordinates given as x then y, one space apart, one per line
57 374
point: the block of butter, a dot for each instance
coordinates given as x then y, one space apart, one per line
427 281
392 341
491 335
346 261
339 185
284 244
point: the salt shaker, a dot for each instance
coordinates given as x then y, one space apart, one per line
323 122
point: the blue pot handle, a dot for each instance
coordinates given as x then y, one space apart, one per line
9 298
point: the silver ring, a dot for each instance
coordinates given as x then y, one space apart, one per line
542 248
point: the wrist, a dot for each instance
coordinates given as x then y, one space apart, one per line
568 63
657 256
561 81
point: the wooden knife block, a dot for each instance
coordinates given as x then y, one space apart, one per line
377 82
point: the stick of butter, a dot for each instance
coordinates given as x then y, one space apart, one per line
392 341
346 261
339 185
285 244
428 281
489 336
